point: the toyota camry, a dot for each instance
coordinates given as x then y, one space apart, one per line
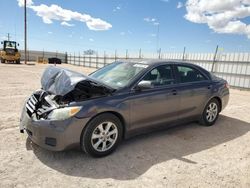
123 99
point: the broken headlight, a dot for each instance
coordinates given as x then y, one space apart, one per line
63 113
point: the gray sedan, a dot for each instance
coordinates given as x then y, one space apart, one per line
120 100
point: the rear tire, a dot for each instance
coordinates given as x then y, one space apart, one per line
102 135
210 113
2 60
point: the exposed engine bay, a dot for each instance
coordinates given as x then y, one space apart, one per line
60 87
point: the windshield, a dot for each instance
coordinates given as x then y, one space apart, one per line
118 74
9 44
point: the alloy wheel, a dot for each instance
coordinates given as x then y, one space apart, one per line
212 112
104 136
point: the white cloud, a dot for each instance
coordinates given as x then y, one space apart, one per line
152 21
165 1
147 19
28 3
50 32
153 35
67 24
179 5
91 40
122 33
220 16
116 8
55 12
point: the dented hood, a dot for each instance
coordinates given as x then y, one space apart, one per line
60 81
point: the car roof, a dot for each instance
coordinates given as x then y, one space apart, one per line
154 61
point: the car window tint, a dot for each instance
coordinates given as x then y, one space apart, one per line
161 75
188 74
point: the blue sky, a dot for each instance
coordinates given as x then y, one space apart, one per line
134 26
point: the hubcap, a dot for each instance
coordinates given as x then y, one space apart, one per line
212 111
104 136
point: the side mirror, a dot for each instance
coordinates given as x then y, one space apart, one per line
1 42
142 85
17 44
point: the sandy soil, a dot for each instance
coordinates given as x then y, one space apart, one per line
184 156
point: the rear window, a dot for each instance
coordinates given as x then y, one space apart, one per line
189 74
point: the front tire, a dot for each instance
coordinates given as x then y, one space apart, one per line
102 135
210 113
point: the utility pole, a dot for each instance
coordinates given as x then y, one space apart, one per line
25 32
157 42
8 36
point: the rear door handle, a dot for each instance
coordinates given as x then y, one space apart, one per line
174 92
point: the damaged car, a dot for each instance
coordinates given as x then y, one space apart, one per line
123 99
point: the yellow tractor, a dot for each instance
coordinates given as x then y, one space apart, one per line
10 52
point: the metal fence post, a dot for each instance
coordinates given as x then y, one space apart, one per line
115 55
159 57
74 59
140 53
104 58
90 61
79 60
183 55
66 57
214 59
126 54
84 60
96 60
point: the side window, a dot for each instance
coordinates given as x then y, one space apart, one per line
161 75
188 74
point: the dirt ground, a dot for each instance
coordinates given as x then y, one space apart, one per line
184 156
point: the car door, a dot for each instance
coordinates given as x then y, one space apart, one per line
194 89
156 105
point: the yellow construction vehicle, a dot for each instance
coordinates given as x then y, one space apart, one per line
10 53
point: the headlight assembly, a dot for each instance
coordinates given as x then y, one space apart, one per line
63 113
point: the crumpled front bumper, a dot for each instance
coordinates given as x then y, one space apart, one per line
53 135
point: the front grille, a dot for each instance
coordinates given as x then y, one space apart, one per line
47 106
40 104
10 52
31 105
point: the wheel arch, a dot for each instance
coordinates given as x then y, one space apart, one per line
219 100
